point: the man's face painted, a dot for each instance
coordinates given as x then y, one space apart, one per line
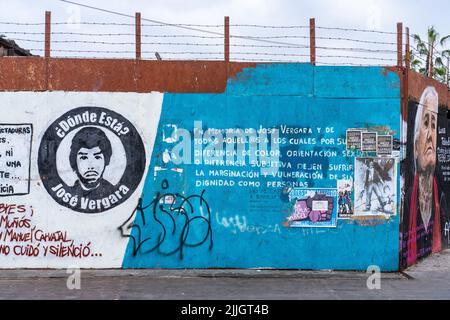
426 143
90 164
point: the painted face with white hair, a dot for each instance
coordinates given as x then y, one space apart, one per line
425 143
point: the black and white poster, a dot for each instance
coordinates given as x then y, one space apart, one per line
353 139
384 145
91 159
369 141
375 186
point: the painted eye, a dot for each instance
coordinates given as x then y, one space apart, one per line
83 158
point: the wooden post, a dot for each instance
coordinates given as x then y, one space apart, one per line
138 35
312 40
399 44
48 18
227 39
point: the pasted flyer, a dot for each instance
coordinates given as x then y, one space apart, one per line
369 141
353 139
384 145
15 151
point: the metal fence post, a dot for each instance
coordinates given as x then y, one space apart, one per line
138 35
399 44
312 40
48 18
227 39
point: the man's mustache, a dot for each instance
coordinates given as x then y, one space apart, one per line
90 173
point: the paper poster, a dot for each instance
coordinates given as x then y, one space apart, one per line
384 145
345 198
353 138
312 208
15 150
369 141
375 186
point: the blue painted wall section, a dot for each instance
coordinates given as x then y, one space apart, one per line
185 221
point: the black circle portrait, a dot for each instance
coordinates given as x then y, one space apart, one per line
91 159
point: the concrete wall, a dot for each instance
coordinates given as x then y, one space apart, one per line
270 191
260 216
47 220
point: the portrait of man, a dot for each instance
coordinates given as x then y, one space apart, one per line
423 224
90 154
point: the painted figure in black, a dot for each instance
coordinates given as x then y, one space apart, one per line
90 154
372 183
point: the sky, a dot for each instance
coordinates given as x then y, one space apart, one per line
378 15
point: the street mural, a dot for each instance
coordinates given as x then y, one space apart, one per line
153 180
91 159
279 182
427 171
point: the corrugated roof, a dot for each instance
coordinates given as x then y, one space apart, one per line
12 45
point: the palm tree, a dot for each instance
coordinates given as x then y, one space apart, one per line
427 52
416 62
446 55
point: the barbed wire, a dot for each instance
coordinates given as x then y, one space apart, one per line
124 43
356 49
220 53
266 41
161 24
209 45
269 40
127 51
320 38
22 23
357 40
197 36
112 34
267 60
350 64
271 54
356 57
270 46
356 30
164 43
269 26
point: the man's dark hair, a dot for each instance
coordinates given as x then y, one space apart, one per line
89 137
